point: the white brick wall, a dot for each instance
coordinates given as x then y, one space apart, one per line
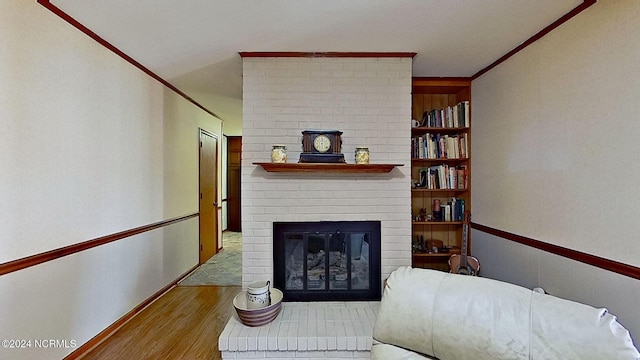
369 100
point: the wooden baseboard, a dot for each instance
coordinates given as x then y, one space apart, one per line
111 329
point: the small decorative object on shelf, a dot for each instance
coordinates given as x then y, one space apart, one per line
437 211
279 154
362 155
321 146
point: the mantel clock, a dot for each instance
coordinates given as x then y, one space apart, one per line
321 146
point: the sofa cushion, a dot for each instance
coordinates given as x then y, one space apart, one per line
451 316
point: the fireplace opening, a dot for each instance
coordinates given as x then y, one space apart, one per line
327 260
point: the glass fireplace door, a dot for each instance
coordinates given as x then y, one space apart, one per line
325 265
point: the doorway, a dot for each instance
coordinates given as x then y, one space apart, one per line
208 196
234 163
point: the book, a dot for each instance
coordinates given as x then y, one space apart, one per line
462 146
453 178
462 176
467 113
454 209
447 212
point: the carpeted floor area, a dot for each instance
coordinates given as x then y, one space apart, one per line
224 268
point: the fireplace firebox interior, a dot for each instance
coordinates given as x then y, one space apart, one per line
327 260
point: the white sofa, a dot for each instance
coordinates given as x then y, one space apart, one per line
428 314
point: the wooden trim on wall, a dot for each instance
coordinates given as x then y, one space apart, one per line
578 9
111 329
448 80
328 54
606 264
19 264
66 17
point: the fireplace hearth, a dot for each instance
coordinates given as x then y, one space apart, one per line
327 260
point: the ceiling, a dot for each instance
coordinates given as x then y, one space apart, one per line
194 44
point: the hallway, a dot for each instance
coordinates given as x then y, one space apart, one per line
224 268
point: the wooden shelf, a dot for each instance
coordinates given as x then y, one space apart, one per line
439 160
451 252
418 190
437 222
327 167
435 85
430 129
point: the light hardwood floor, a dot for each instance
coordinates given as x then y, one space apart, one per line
184 323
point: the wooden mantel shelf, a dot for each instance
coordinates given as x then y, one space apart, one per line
327 167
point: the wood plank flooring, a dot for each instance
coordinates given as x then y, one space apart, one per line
184 323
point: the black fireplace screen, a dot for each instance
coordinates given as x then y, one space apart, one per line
328 260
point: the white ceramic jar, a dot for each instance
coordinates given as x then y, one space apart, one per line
258 295
279 154
362 155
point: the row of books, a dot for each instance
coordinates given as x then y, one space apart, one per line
436 146
444 177
453 210
456 116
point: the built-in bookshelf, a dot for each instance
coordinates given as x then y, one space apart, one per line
440 168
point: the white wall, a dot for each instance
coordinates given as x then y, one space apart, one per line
555 139
370 101
89 146
229 109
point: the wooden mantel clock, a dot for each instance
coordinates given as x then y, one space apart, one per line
321 146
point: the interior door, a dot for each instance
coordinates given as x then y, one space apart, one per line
208 196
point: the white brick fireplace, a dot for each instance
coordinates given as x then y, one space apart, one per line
369 100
